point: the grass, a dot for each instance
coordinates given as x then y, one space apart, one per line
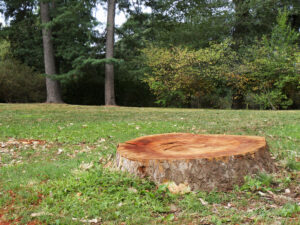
56 167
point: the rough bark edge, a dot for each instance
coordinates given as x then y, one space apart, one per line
109 67
201 174
53 86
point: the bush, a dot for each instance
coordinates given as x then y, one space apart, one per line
266 75
19 83
271 69
183 77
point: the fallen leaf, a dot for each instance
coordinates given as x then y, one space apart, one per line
133 190
262 194
109 164
173 208
203 202
228 206
59 151
40 214
87 221
101 140
280 199
86 166
109 157
182 188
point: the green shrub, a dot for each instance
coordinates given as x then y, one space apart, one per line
270 68
4 50
19 83
265 75
183 77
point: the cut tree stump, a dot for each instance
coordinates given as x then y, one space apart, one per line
203 162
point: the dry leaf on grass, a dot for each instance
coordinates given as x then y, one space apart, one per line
203 202
40 214
132 190
59 151
86 166
108 165
87 221
101 140
173 208
278 199
182 188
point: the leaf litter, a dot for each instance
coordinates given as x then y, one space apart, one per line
12 149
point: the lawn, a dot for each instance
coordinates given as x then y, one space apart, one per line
57 167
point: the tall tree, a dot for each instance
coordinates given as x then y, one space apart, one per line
109 67
73 36
255 18
53 87
23 32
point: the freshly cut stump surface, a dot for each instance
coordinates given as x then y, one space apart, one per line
204 162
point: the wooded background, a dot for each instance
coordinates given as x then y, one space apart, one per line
198 53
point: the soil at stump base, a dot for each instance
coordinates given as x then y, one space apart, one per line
204 162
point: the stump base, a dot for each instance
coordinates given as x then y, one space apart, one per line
204 162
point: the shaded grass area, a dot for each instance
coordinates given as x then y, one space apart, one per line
56 167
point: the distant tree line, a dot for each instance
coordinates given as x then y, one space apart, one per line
198 53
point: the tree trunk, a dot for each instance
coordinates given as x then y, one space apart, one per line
203 162
109 67
53 87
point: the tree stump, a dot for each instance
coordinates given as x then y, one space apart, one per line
204 162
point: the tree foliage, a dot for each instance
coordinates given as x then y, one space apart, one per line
265 75
19 83
255 18
271 66
180 75
23 32
200 53
73 34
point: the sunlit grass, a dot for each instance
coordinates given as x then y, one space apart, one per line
49 178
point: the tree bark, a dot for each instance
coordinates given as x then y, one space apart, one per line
53 86
109 67
203 162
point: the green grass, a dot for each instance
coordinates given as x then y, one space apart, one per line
49 178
